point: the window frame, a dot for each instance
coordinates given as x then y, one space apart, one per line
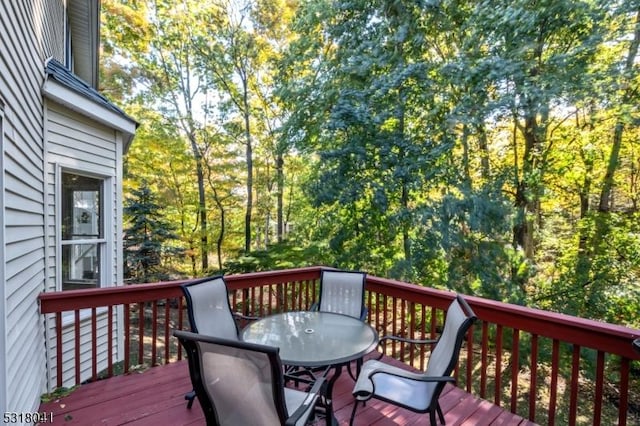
105 244
68 48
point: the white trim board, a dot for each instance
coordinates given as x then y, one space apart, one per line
71 99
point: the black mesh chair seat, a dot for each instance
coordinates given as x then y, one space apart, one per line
418 392
341 292
239 383
210 313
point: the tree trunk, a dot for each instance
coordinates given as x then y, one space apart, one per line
202 204
483 144
220 238
527 199
249 159
583 261
607 185
465 155
404 196
279 196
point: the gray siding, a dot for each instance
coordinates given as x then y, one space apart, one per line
53 30
86 355
36 137
78 143
3 328
28 30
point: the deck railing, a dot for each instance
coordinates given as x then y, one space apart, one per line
547 367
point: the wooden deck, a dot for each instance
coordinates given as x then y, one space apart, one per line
156 397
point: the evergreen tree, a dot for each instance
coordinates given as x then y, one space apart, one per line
146 238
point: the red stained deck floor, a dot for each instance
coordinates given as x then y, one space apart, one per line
156 397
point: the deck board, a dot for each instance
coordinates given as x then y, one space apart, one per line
156 397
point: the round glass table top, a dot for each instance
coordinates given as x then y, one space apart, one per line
313 339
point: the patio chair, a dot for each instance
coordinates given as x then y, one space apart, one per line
241 383
210 312
418 392
342 292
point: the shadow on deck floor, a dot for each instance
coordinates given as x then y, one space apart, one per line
156 397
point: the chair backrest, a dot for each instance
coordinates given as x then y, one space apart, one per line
342 292
209 309
446 351
236 382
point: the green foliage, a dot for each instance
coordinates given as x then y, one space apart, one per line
464 236
58 393
147 238
486 147
278 256
600 283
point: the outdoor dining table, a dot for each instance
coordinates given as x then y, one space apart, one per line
310 339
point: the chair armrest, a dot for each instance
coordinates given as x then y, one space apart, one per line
383 340
310 400
240 316
413 376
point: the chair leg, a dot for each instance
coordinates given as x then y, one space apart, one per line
439 410
353 412
190 397
432 418
358 368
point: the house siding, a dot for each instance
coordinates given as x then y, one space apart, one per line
37 138
22 150
53 29
86 338
3 328
30 29
77 143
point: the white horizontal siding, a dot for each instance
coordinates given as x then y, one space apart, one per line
28 30
76 142
51 21
86 355
22 72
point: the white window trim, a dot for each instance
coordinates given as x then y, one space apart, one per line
106 261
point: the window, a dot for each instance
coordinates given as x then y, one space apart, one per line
68 54
83 239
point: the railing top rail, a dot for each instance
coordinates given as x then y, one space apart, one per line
69 300
584 332
610 338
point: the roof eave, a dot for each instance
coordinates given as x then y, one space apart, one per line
75 101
